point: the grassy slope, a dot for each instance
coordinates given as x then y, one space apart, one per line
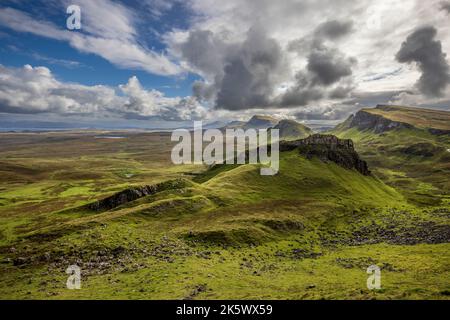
412 160
291 130
234 235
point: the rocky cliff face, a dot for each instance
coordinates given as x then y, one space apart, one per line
388 117
328 148
132 194
364 120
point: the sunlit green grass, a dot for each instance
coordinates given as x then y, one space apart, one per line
229 229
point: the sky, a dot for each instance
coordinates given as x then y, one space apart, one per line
162 64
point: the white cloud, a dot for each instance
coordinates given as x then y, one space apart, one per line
379 28
153 102
35 90
220 33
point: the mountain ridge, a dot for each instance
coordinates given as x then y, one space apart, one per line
389 117
291 129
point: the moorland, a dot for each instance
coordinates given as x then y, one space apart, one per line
225 231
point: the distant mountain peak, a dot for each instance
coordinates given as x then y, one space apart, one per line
261 122
292 129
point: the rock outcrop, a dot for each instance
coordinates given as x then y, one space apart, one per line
438 132
132 194
328 148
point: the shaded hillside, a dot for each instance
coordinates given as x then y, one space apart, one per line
290 129
260 122
255 122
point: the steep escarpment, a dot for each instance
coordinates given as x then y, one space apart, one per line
328 148
386 118
366 120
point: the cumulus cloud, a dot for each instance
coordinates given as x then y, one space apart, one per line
279 57
151 103
35 90
319 45
328 66
251 73
328 71
422 48
237 75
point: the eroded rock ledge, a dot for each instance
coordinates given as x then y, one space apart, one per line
134 193
328 148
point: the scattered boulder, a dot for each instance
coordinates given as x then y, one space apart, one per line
422 149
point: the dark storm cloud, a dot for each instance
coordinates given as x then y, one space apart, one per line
328 71
301 93
341 91
243 75
204 51
422 48
334 29
250 76
445 6
328 66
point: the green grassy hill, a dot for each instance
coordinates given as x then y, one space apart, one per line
307 233
290 130
408 148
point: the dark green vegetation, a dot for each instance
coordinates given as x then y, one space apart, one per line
309 232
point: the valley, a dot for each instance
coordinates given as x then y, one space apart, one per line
226 232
